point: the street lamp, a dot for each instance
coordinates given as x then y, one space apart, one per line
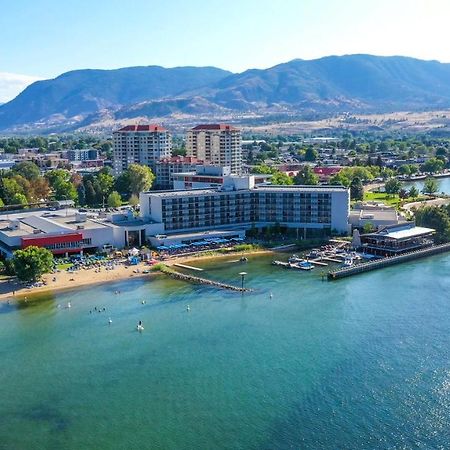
242 274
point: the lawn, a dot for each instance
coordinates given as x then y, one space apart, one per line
390 199
64 266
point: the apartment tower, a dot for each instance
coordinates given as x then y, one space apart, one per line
140 144
218 144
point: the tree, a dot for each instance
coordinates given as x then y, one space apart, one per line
9 188
368 228
106 183
114 199
19 199
41 189
134 200
404 170
281 178
432 165
392 186
306 176
140 178
356 189
27 169
430 186
437 218
32 262
311 154
61 184
413 192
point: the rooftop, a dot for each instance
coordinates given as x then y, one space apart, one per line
404 231
214 126
148 128
271 188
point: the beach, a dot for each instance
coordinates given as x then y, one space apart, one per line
12 288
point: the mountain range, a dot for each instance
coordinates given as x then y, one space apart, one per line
82 99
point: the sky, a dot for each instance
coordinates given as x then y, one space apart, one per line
41 39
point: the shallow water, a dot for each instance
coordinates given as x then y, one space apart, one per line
363 362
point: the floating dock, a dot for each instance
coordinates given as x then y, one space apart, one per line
389 261
184 266
317 262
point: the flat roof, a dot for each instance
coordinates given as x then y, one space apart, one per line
404 233
259 188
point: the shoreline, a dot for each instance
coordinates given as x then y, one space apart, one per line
11 289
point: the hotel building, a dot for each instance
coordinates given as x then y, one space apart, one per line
218 144
140 144
239 204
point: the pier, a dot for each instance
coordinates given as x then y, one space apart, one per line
198 280
184 266
389 261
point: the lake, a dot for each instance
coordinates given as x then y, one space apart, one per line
361 363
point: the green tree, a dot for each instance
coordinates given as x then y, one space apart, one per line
140 178
281 178
134 200
404 170
311 154
9 187
432 165
32 262
356 189
114 199
27 169
19 199
106 183
437 218
413 192
368 228
430 186
306 176
392 186
61 184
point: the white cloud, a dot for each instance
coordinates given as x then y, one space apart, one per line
11 84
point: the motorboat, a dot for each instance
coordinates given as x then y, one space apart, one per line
305 265
140 326
295 259
348 261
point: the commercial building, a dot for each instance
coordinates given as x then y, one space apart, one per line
240 204
140 144
374 214
210 176
69 231
166 167
397 239
84 154
219 144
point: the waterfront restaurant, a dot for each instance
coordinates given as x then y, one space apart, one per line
397 239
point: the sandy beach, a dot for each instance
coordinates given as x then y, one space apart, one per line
11 288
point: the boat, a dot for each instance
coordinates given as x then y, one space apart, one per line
295 259
243 259
348 261
304 265
140 326
314 254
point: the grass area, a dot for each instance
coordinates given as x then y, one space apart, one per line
391 199
161 267
64 266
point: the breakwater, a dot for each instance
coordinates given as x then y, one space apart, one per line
197 280
389 261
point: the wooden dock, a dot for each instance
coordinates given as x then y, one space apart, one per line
204 281
389 261
184 266
317 262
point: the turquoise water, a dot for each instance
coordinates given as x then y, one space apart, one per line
361 363
443 185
